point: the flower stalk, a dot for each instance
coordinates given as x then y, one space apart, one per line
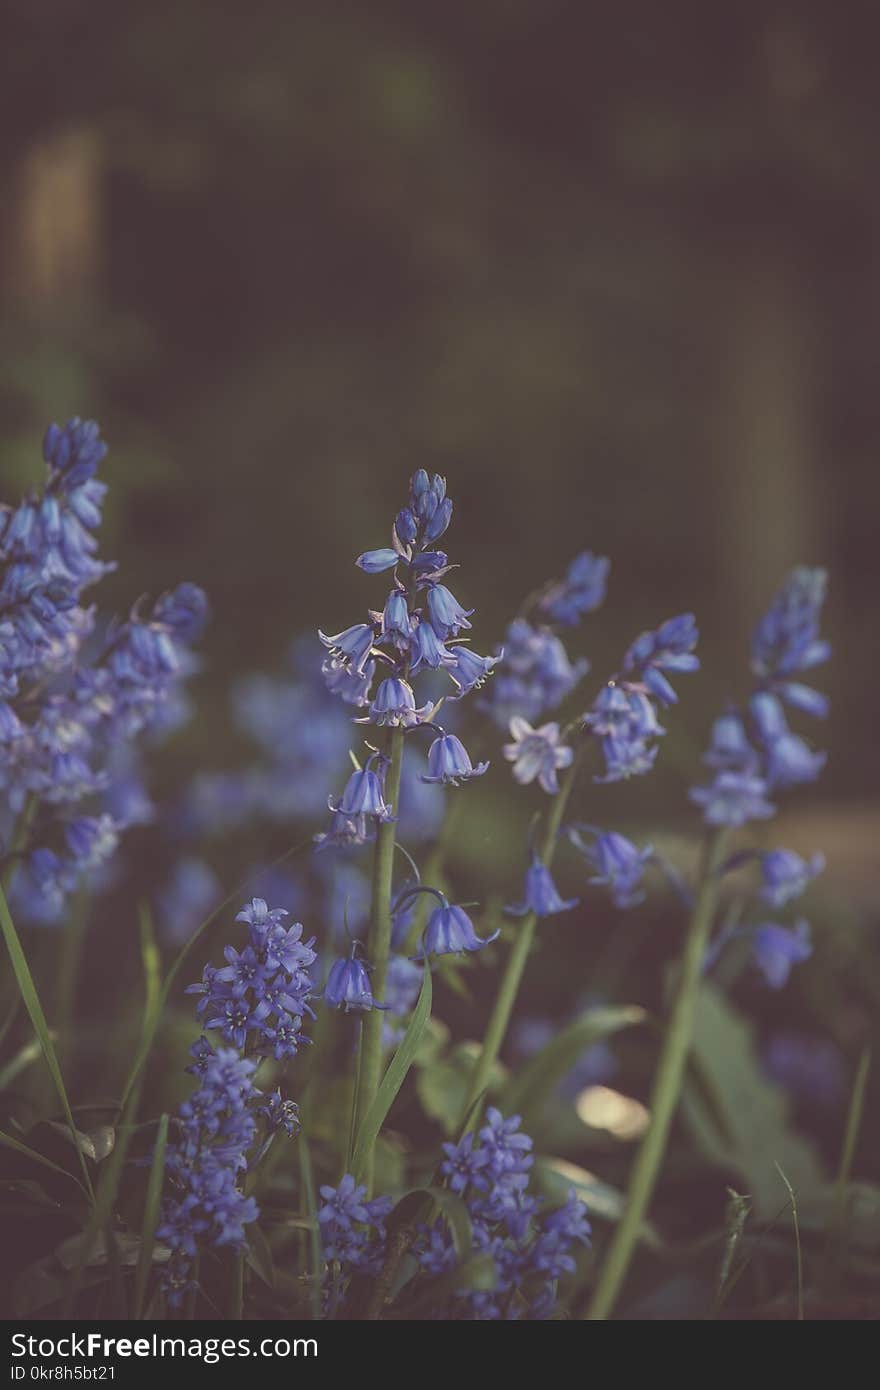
379 949
667 1082
499 1019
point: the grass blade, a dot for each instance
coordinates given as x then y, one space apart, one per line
152 1204
308 1195
393 1079
7 1141
797 1241
32 1003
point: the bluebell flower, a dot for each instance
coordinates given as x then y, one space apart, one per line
396 620
351 1228
449 931
364 796
468 670
786 875
394 704
786 641
620 865
625 721
463 1165
670 648
260 997
375 561
537 753
351 686
733 799
581 592
536 674
776 949
348 986
446 614
427 650
541 894
729 748
206 1207
353 645
449 762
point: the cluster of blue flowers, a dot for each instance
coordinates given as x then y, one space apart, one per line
258 1000
260 997
536 672
754 753
70 698
624 714
529 1250
418 630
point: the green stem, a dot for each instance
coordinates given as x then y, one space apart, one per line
379 946
667 1084
516 961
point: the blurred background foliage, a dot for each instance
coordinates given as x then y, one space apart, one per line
611 269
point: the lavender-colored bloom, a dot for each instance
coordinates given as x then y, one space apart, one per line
776 949
351 1228
449 931
353 645
786 875
733 799
449 762
541 894
351 686
348 986
463 1165
375 561
536 674
426 648
729 749
786 640
625 720
446 614
537 753
363 796
260 997
396 620
620 865
670 648
582 590
394 704
468 670
217 1127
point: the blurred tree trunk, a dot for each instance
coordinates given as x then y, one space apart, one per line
51 223
766 439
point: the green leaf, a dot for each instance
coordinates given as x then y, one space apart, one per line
22 1059
32 1003
393 1079
527 1091
737 1117
90 1250
8 1142
152 1204
452 1207
443 1084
